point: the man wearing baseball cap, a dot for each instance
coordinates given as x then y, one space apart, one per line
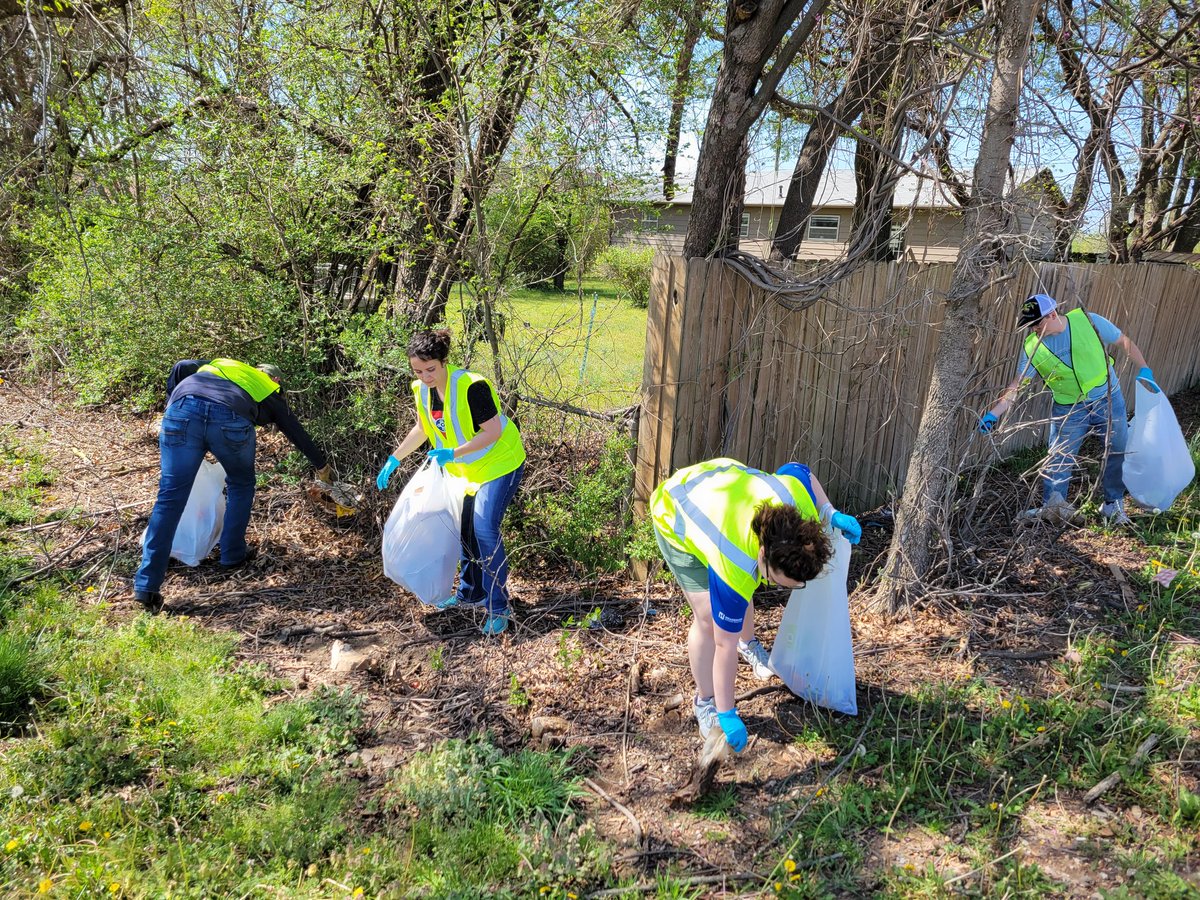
1069 353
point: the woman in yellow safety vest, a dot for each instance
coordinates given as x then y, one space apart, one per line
459 413
724 528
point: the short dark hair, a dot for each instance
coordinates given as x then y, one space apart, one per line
430 344
791 544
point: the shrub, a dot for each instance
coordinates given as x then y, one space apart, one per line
590 524
629 268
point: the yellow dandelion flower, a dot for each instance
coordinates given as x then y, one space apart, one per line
357 892
1041 728
1141 607
1162 681
778 886
114 887
993 806
107 835
572 896
85 825
12 845
820 791
1096 685
90 589
45 885
544 889
1025 707
795 877
366 850
1124 652
790 865
910 867
1006 704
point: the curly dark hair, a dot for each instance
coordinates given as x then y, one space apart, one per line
796 546
430 344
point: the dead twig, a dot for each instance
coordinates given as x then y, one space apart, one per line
1139 757
638 835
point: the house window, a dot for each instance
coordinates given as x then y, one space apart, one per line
650 219
896 240
744 231
824 228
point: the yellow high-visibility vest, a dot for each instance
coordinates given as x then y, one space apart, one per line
706 510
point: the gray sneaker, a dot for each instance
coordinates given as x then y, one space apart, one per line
1114 513
706 715
756 654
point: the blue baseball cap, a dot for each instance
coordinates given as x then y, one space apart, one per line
1035 308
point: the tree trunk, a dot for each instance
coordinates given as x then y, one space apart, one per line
679 96
929 485
756 33
865 80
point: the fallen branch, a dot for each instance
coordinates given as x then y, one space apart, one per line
1022 655
638 835
74 512
1139 757
694 880
54 561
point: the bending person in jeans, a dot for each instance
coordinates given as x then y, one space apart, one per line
459 413
1069 353
213 406
724 528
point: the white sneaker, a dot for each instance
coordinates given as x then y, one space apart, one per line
756 654
1057 509
706 715
1114 513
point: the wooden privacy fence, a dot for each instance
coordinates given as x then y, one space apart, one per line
841 385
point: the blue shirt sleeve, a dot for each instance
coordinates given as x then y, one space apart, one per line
1024 369
801 473
728 606
1109 333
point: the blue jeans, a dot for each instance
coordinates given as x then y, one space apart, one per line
484 575
191 426
1069 425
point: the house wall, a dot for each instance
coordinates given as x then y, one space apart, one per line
932 236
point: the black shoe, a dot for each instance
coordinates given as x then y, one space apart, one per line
251 555
151 601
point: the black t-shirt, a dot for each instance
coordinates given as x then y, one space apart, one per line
479 399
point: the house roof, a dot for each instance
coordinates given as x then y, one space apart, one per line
837 189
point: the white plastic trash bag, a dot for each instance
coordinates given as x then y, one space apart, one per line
200 525
813 653
1158 464
421 539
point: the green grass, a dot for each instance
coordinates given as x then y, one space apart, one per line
139 759
546 336
982 758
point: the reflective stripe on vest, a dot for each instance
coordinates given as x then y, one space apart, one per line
738 557
500 458
699 534
450 416
258 384
1089 364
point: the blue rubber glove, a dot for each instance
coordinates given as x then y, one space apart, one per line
987 423
1144 374
385 474
847 525
735 730
441 455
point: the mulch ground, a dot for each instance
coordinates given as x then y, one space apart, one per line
1014 598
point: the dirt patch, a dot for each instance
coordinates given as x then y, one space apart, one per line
1004 615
